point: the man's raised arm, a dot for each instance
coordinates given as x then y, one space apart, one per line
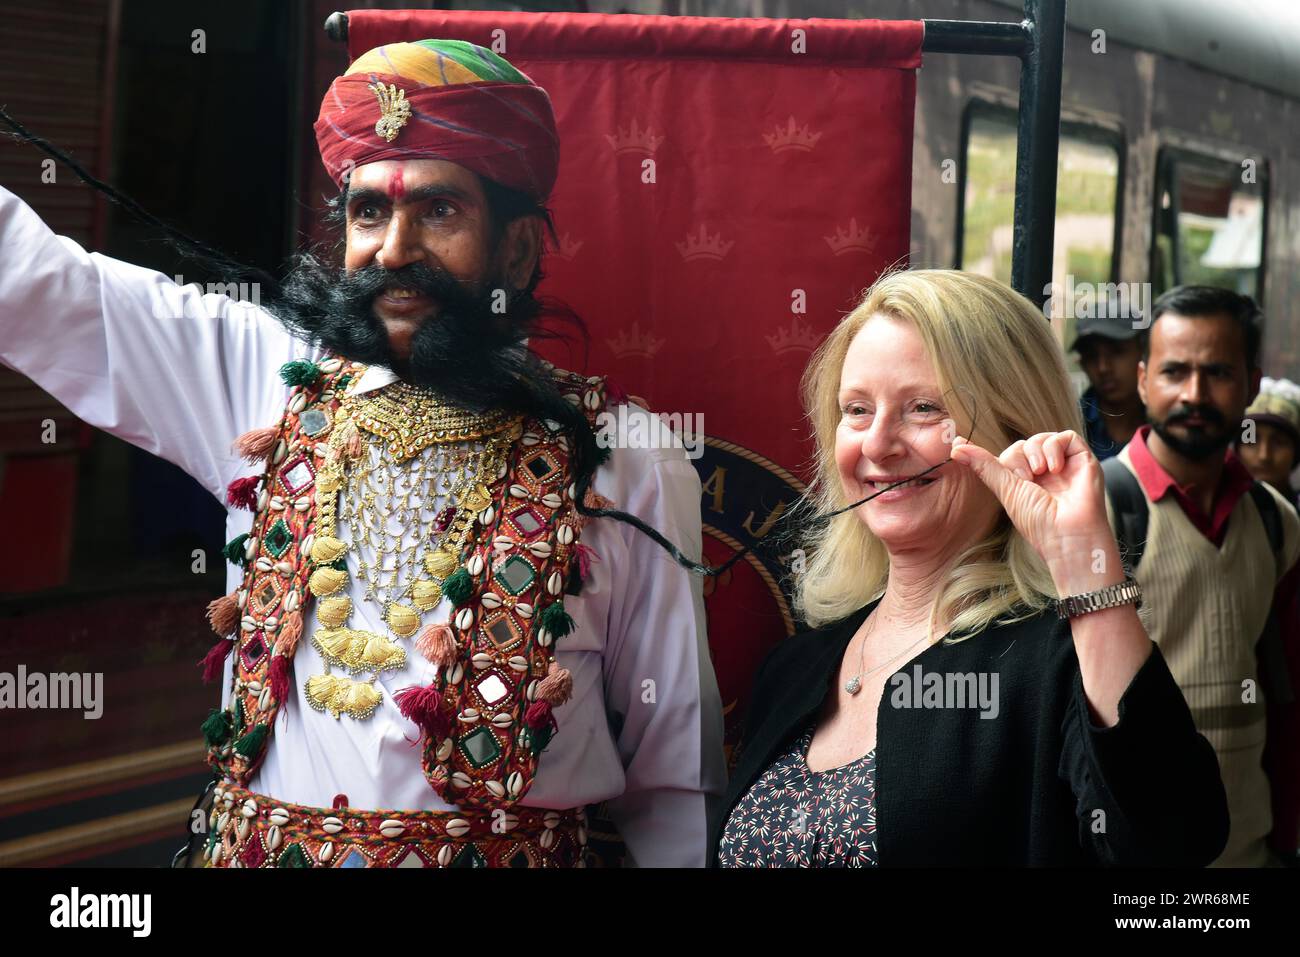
165 367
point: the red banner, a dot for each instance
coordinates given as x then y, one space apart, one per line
727 189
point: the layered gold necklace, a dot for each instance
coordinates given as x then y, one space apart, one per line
389 486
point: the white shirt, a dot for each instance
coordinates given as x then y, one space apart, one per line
181 374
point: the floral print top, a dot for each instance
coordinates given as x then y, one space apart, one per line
795 817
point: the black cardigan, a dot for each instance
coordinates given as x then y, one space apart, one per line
1017 790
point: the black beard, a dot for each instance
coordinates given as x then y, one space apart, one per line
472 355
1202 444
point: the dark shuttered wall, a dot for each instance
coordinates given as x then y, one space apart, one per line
56 77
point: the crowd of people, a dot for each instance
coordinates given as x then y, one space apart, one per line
1203 503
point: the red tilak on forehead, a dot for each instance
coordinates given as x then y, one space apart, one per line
396 186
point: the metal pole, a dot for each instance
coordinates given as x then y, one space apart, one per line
1037 141
988 37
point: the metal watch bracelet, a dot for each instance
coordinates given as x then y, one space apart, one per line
1112 596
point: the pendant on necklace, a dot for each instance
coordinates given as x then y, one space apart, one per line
853 685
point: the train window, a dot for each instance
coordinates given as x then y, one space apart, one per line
1088 184
1209 223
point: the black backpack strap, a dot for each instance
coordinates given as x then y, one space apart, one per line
1270 516
1130 507
1270 650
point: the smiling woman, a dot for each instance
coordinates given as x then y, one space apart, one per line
926 356
938 712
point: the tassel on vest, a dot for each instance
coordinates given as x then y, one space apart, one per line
242 492
215 660
234 550
586 555
541 723
556 621
573 586
252 743
557 687
223 616
580 570
256 445
279 677
299 372
458 587
423 706
286 643
217 728
615 394
438 645
538 714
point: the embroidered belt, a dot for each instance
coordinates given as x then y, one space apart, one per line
253 830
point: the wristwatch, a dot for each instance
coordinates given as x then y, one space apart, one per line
1109 597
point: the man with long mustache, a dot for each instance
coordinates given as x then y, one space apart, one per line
1209 570
440 645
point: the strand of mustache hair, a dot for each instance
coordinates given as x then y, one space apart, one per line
183 243
584 483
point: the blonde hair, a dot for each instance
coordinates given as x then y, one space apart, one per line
1000 367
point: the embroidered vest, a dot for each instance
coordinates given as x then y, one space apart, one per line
521 556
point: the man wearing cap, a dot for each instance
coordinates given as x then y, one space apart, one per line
442 640
1273 450
1270 448
1213 548
1109 352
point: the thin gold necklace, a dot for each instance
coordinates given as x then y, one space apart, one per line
854 684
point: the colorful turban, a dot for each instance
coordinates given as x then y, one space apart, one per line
441 99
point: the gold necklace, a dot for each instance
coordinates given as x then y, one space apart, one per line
390 514
406 421
411 419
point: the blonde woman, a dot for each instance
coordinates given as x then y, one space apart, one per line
946 708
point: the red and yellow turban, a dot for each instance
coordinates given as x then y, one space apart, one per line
441 99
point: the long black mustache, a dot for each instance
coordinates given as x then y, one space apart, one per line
473 352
